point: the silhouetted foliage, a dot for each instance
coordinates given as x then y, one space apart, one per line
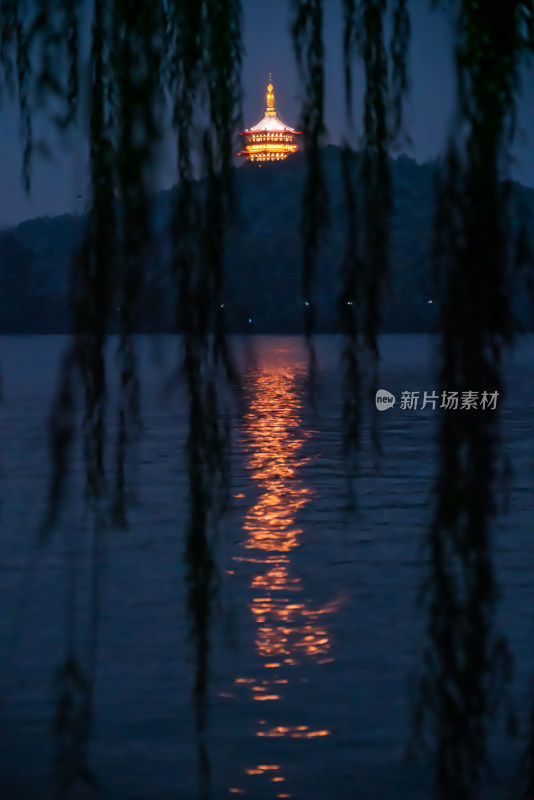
365 265
307 30
467 663
181 59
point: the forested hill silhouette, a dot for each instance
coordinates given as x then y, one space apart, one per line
263 266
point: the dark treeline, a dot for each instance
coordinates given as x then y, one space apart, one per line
262 269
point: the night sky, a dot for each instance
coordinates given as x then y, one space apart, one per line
57 183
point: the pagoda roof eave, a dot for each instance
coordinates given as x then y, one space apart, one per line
271 124
288 130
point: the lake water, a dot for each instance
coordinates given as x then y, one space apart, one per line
316 629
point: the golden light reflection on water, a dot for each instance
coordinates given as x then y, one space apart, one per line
288 630
275 437
293 732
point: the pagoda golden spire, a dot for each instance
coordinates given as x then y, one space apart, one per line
270 110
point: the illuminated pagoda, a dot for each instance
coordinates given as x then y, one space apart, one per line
271 139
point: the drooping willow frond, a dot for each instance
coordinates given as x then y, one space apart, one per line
307 31
137 37
467 663
365 266
189 53
204 67
400 79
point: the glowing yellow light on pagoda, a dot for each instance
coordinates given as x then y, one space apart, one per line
270 139
270 111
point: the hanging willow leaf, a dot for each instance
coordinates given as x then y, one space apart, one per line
70 34
467 663
190 52
400 82
24 74
72 725
349 310
204 69
8 33
37 28
307 32
137 35
365 266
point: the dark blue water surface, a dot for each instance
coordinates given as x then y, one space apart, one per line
315 629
